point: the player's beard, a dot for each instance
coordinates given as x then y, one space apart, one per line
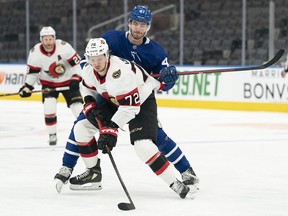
137 36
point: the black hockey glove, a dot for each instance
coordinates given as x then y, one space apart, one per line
25 90
74 82
108 137
168 75
91 111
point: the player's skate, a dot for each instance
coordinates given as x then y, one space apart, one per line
52 139
181 189
62 177
190 179
89 180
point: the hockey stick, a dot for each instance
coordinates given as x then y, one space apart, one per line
122 206
46 90
278 55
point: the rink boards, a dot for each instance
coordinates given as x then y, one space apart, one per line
259 90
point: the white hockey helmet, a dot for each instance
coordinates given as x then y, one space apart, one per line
96 47
47 30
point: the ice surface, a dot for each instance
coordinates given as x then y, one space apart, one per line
241 159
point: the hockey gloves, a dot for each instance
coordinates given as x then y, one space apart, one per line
168 75
108 137
108 134
25 90
74 82
91 111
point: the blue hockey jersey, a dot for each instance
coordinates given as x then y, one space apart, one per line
150 55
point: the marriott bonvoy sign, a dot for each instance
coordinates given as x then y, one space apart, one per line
248 86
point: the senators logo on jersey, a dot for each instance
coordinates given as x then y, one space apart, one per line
116 74
63 42
56 70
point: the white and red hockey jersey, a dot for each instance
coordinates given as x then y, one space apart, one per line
55 68
125 84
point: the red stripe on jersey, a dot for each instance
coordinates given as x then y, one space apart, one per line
153 158
89 155
130 99
88 86
91 142
50 115
53 84
76 77
51 123
162 169
31 69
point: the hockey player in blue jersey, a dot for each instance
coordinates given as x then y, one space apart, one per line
133 45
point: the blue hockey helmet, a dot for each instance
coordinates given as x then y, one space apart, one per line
141 14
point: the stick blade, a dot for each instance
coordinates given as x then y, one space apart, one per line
126 206
275 59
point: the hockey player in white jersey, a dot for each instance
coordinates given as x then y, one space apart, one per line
129 93
135 46
55 64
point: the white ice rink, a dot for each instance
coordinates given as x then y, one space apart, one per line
241 159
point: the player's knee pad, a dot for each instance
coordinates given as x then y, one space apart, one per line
50 105
76 108
145 149
84 132
89 150
151 156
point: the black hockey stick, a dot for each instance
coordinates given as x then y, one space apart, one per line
122 205
278 55
46 90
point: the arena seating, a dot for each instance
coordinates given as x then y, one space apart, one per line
212 33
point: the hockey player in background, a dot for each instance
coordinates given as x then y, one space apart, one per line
128 91
135 46
55 64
